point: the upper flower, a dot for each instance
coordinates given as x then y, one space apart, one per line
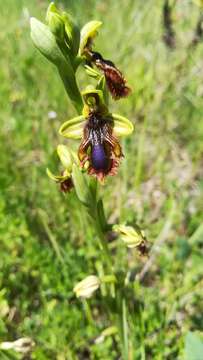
114 78
100 151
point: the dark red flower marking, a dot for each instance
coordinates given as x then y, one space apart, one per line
66 185
114 78
99 147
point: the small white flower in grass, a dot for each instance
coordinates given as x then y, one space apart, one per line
23 345
52 115
85 288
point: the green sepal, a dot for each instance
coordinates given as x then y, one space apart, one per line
73 128
122 126
88 32
65 156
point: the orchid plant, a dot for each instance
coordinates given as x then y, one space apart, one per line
99 153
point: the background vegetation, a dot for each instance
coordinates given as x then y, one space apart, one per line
46 244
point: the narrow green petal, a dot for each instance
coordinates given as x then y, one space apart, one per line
122 126
92 72
73 128
93 97
89 31
101 85
57 178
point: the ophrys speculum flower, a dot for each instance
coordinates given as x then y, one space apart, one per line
114 78
99 147
100 151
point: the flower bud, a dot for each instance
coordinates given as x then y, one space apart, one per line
64 28
72 33
130 236
22 345
112 330
85 288
55 22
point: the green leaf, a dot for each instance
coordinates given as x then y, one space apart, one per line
81 185
88 32
73 128
197 236
193 346
122 126
45 41
101 214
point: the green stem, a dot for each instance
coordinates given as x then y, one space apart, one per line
140 154
71 88
88 312
122 323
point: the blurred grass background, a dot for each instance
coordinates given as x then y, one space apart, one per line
46 243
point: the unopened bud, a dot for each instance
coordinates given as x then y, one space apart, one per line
130 236
22 345
87 287
55 22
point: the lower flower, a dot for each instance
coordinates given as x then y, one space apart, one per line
65 178
66 185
